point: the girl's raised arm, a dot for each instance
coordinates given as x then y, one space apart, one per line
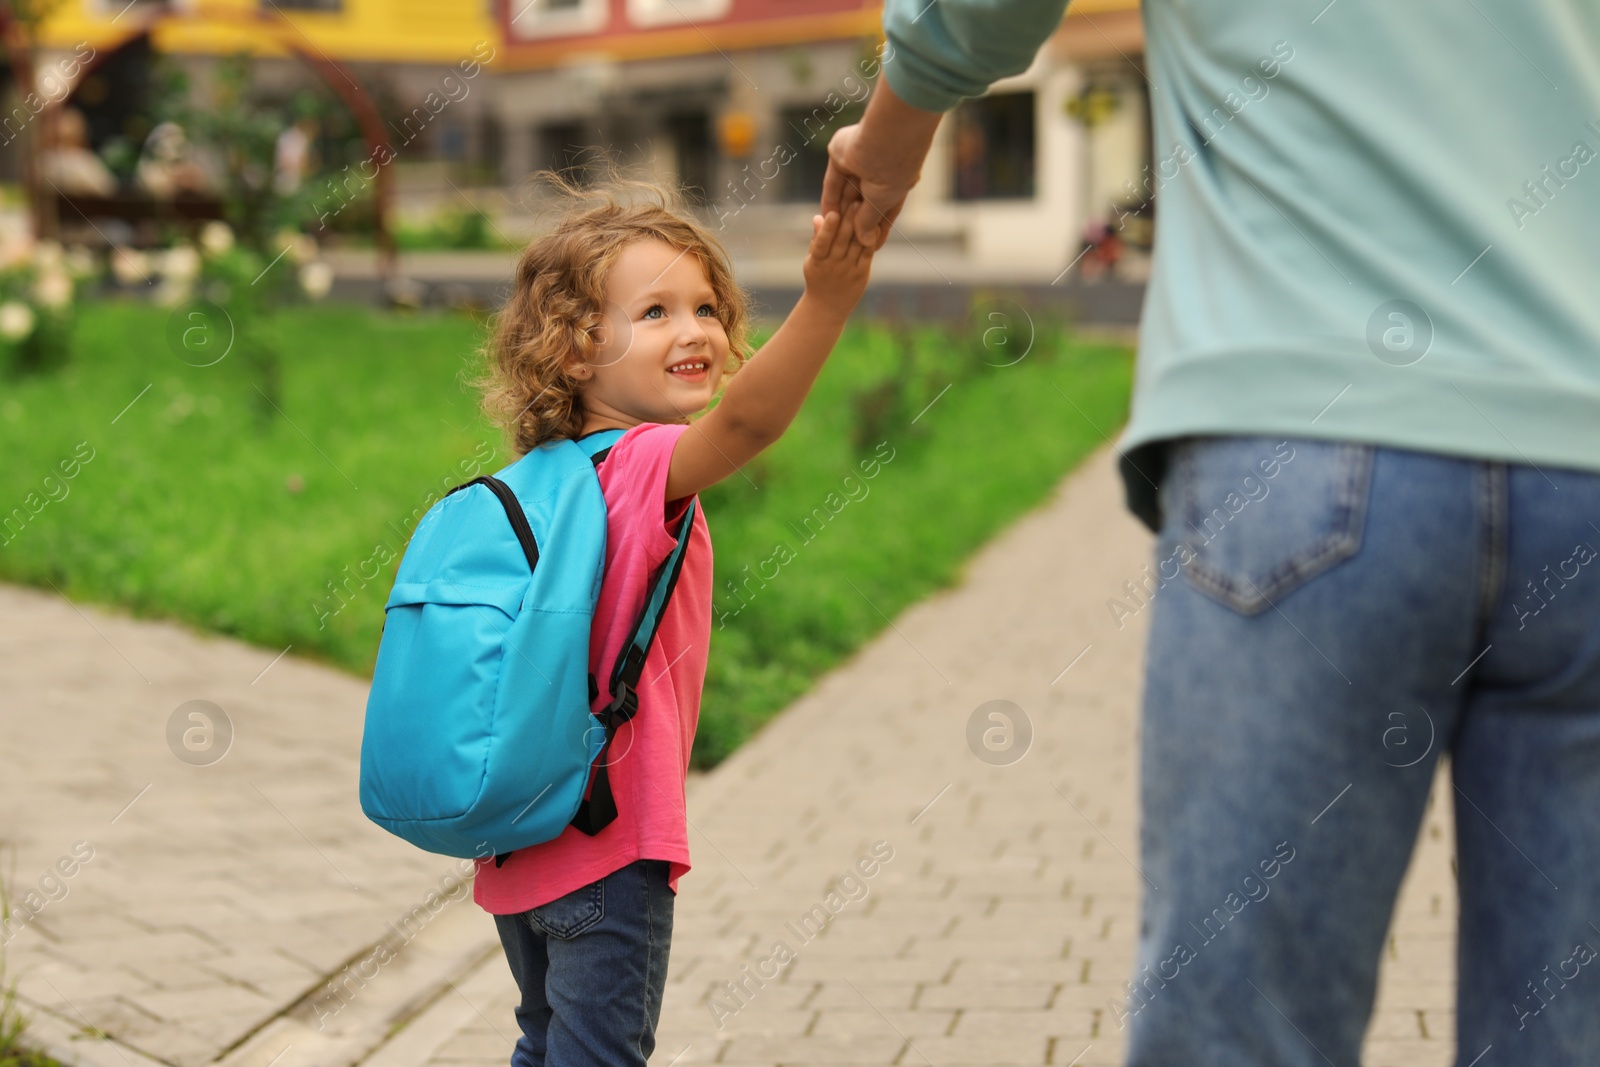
762 399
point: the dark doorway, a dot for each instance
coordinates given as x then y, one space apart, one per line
689 133
115 99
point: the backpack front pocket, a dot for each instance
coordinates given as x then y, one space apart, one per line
426 758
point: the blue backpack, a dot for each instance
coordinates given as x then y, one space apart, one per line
479 737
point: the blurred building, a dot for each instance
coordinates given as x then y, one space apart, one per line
424 66
737 98
397 50
734 98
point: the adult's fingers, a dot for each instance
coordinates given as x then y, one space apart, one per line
847 192
850 234
878 217
841 172
860 252
888 222
833 186
851 196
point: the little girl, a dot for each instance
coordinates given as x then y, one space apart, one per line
627 316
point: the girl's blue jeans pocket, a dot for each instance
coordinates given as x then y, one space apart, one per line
567 917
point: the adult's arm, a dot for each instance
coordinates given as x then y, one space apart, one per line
940 52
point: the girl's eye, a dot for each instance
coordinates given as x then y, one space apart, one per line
650 312
707 310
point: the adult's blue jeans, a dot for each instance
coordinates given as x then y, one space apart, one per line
1329 621
591 967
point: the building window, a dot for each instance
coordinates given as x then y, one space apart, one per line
491 149
452 141
668 12
113 8
806 130
689 133
551 18
994 148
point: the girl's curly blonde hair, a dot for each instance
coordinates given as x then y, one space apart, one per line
558 301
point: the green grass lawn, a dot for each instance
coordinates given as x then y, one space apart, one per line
185 505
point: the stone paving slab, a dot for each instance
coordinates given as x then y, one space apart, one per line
222 908
203 902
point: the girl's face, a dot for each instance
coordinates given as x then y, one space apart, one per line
661 349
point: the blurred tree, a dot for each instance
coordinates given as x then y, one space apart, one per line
19 31
243 135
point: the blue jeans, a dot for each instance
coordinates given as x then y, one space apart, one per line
1330 631
591 967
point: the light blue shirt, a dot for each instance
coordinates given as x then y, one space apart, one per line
1377 222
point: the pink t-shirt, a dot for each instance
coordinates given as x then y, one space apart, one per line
649 757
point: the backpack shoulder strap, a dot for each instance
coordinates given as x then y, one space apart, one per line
596 443
599 809
630 664
514 512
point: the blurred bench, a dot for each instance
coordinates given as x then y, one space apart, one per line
131 218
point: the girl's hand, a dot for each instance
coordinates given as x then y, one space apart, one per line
837 264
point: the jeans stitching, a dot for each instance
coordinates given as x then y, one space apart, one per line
1492 507
649 954
1352 489
565 932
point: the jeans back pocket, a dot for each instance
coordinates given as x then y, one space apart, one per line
1254 518
567 917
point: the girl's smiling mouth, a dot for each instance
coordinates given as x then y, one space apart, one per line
690 370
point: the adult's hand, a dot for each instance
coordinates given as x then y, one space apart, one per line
877 161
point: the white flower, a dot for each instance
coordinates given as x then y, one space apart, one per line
48 255
216 238
16 320
53 289
180 263
130 266
172 292
301 248
316 279
80 261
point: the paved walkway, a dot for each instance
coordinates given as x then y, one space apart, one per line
218 905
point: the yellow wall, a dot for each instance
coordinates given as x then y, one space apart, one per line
438 31
423 31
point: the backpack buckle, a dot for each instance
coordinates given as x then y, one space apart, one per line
624 704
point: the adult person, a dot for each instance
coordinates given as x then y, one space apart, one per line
1366 428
